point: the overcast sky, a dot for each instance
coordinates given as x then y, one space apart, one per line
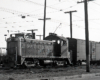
11 12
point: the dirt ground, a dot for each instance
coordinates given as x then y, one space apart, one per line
30 73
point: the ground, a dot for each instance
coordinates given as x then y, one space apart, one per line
30 73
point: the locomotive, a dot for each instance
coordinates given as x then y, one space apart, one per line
23 50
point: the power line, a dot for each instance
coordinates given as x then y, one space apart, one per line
94 9
70 7
18 12
57 3
77 16
96 3
41 4
89 19
17 22
50 6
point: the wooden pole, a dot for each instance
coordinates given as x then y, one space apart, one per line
70 21
44 19
87 38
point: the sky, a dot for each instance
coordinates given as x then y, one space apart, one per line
11 12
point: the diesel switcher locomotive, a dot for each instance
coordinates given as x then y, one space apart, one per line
24 50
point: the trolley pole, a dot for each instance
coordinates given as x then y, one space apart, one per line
70 12
86 35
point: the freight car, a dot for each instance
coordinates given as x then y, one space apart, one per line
77 48
23 51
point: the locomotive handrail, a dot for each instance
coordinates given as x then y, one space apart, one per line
16 58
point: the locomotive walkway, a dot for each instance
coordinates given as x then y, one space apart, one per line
49 73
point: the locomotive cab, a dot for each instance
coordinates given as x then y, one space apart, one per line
61 45
60 49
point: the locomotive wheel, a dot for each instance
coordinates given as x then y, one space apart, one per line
36 62
41 62
55 63
23 66
65 63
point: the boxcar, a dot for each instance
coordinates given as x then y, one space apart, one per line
77 48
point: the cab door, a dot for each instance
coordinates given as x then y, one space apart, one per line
57 49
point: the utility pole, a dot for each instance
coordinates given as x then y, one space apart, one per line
86 35
70 12
87 38
44 20
39 36
32 30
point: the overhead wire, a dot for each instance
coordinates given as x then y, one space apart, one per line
83 20
57 3
39 4
94 9
96 3
70 7
71 1
78 26
16 12
84 27
13 11
17 22
97 11
50 5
